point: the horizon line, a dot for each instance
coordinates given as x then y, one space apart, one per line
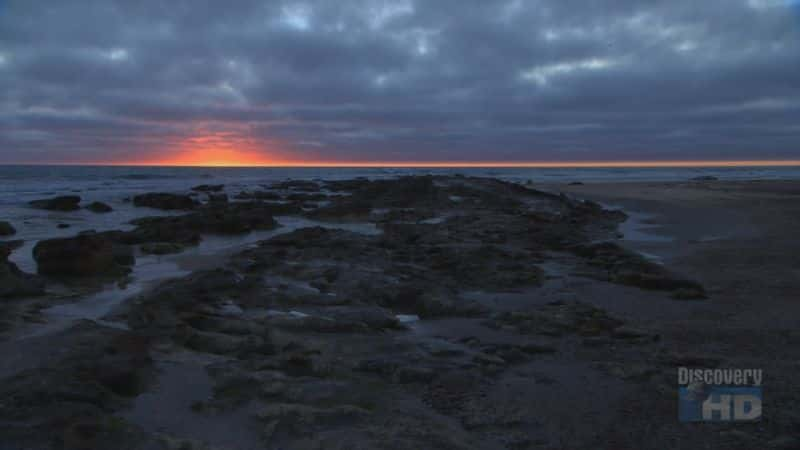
445 164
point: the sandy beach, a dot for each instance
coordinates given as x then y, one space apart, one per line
430 312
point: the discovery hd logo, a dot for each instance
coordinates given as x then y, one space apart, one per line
719 395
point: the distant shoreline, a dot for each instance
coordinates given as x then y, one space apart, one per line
452 165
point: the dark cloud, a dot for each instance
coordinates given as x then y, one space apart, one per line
402 80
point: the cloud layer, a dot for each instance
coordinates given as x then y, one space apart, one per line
402 80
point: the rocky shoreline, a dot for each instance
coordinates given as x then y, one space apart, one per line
456 326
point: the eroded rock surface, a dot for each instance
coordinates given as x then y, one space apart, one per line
452 328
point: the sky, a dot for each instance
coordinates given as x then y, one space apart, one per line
372 81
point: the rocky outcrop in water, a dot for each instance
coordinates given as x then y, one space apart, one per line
215 218
209 188
257 195
13 281
6 229
82 256
99 207
166 201
61 203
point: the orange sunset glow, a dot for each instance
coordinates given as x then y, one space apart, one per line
230 157
215 149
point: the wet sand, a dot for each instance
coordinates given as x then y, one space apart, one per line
740 240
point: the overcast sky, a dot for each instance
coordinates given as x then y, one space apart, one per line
403 80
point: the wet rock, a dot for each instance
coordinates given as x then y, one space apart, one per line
441 348
227 344
297 418
193 311
175 443
166 201
162 311
82 255
632 372
297 185
226 218
6 229
13 281
406 375
161 248
257 195
304 197
6 247
61 203
96 371
785 442
373 318
689 294
623 266
534 348
63 226
558 319
487 359
209 188
99 207
429 302
631 333
679 359
318 324
404 192
381 366
705 178
218 198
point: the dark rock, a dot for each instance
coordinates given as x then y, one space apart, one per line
689 293
6 229
6 247
71 397
191 312
785 442
414 375
166 201
623 266
218 198
558 319
705 178
62 203
99 207
83 255
575 183
63 226
404 192
373 318
228 218
13 281
303 197
257 195
297 185
209 188
161 248
380 366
